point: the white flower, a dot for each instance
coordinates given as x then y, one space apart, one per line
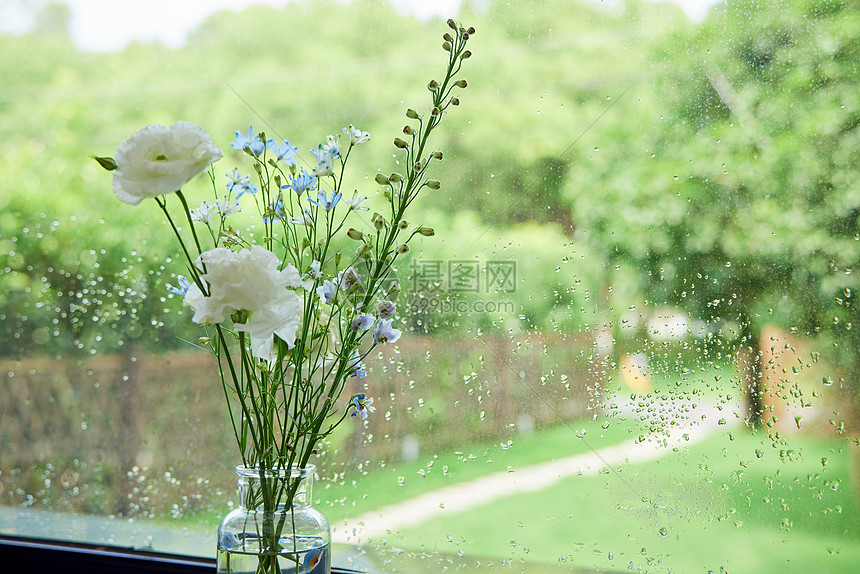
324 168
357 202
332 146
306 218
311 276
202 213
226 208
356 136
159 160
249 280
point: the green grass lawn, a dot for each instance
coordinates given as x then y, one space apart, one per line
392 483
716 504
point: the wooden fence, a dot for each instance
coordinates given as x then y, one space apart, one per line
148 435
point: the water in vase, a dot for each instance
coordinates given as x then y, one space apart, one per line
315 560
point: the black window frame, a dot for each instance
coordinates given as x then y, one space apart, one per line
20 554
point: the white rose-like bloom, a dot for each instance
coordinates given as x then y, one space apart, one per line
249 280
159 160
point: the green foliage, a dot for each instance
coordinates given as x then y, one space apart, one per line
743 204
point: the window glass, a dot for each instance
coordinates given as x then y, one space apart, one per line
632 343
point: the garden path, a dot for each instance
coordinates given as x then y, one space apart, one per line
695 423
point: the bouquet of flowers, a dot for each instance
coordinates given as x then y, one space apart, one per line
289 317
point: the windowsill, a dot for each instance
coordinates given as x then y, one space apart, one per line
19 554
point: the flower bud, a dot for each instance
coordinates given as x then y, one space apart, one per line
452 24
395 177
402 248
106 162
435 111
378 220
408 130
455 101
446 46
258 169
436 154
394 289
402 224
466 55
381 179
433 184
387 194
417 166
399 143
471 30
426 231
278 180
433 85
447 37
354 233
272 163
337 259
460 83
205 340
411 114
465 36
364 250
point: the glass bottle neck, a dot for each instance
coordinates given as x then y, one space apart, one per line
275 489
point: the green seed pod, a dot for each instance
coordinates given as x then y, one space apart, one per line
107 163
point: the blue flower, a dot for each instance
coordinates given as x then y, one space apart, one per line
275 211
362 322
326 292
302 182
362 405
385 309
251 140
385 333
184 285
348 278
237 181
285 152
324 155
325 203
357 366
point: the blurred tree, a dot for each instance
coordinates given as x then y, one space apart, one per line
743 206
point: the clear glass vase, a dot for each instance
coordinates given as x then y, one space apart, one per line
275 530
